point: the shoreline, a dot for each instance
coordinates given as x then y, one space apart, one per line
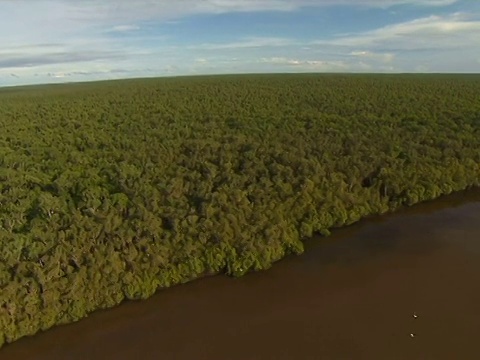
461 198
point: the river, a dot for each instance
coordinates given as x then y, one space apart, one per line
400 286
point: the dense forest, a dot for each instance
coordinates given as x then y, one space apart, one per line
113 190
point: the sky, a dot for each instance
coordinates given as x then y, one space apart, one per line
53 41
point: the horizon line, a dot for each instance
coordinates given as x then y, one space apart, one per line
166 76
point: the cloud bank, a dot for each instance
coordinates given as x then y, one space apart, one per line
67 40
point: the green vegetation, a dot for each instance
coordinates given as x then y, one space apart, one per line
113 190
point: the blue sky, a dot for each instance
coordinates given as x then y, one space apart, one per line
45 41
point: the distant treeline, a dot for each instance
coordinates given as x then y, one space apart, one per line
113 190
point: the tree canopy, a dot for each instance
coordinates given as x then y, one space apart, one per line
113 190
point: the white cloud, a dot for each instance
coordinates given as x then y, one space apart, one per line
308 65
383 57
125 28
432 32
448 43
390 3
56 75
250 42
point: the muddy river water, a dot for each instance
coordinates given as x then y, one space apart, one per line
401 286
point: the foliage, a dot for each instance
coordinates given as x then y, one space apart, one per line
113 190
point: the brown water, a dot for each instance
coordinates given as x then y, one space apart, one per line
351 296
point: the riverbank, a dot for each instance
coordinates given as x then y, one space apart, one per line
351 295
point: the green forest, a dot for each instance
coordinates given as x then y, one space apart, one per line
114 190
